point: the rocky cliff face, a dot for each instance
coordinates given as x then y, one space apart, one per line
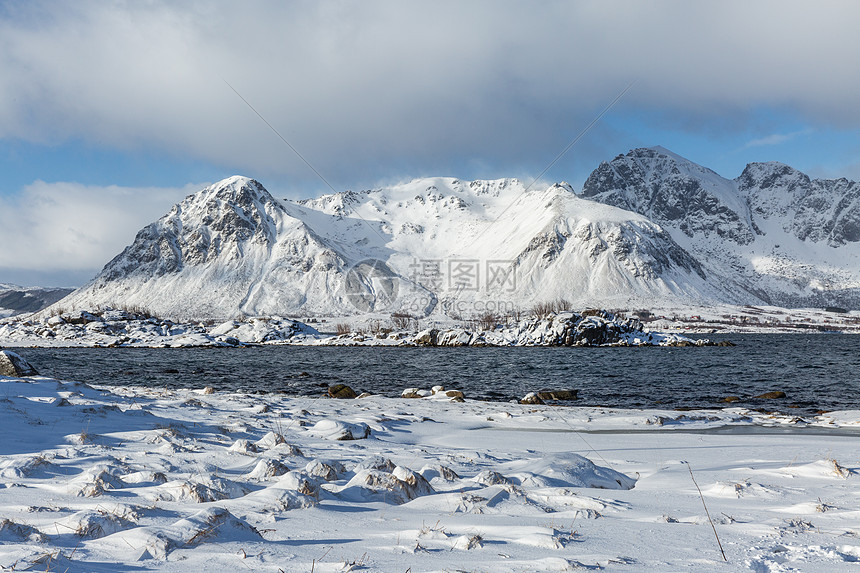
816 210
224 223
673 191
774 233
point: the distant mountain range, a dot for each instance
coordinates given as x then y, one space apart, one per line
16 300
648 229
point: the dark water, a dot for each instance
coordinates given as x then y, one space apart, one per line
820 371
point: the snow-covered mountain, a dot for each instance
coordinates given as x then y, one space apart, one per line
229 250
440 245
650 228
775 234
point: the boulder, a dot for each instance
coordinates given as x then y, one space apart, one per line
81 317
415 393
12 364
454 394
427 337
455 337
531 398
557 394
341 391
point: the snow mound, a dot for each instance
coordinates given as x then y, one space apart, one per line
575 471
339 431
396 487
206 526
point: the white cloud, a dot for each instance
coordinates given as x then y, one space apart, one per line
776 138
363 87
74 229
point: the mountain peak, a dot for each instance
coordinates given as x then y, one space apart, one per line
657 150
237 188
673 191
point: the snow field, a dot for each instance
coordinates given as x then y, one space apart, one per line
97 479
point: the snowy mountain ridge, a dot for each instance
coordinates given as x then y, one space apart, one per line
650 228
773 232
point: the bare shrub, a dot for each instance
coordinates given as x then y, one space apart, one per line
486 321
401 320
515 315
542 309
342 328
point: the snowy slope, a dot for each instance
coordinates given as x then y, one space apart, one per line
773 234
552 243
437 245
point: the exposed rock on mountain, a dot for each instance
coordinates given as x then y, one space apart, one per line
773 233
669 189
816 210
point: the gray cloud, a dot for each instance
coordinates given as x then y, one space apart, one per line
370 89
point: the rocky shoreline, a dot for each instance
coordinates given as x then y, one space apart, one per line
122 328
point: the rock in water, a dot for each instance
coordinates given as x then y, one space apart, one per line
557 395
12 364
771 395
341 391
427 337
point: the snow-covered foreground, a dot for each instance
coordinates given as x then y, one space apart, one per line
131 479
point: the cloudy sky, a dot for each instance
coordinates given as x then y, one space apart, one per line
112 111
